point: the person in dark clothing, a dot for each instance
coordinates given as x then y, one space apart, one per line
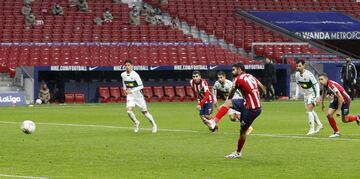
348 77
269 78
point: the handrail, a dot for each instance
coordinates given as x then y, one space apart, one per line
315 43
26 72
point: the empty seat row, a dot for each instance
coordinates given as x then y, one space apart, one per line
79 26
156 93
13 56
219 18
77 98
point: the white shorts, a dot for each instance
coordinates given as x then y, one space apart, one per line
232 111
310 99
140 102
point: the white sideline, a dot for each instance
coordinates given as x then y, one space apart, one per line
294 136
18 176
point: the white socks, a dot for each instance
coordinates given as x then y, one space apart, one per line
317 120
147 115
132 116
151 119
311 120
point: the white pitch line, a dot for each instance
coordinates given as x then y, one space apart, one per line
18 176
303 137
293 136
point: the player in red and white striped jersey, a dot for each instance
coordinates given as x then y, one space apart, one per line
204 97
340 103
248 85
250 109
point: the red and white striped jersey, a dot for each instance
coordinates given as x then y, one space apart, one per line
202 92
335 89
248 85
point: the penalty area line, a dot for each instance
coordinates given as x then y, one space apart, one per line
19 176
292 136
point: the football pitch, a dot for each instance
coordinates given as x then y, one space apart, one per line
97 141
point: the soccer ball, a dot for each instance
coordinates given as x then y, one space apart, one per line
28 127
38 101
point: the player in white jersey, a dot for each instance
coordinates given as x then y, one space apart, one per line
307 81
223 86
132 85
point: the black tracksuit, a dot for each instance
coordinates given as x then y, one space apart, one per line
348 75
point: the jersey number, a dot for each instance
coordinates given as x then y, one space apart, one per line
251 81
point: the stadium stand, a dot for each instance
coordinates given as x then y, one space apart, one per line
115 95
159 93
190 93
104 94
180 93
212 16
79 27
69 98
148 93
93 55
79 98
218 18
169 93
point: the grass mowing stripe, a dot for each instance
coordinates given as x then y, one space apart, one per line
293 136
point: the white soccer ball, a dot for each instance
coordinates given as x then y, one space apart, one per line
28 127
38 101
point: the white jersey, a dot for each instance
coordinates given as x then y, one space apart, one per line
133 82
308 83
224 89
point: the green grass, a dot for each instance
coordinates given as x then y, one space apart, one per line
57 151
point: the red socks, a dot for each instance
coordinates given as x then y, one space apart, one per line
352 118
222 111
241 143
333 124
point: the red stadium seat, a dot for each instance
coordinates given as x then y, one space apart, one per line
79 98
169 93
122 93
180 93
104 94
115 94
69 98
148 93
214 17
159 93
190 93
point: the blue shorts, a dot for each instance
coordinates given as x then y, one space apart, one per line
247 116
238 104
345 108
206 109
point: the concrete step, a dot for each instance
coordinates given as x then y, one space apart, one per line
210 38
9 88
6 83
5 78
